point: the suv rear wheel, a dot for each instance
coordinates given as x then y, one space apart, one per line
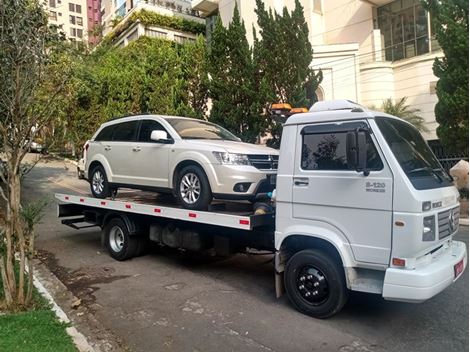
99 183
192 188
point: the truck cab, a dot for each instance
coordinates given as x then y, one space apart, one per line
362 204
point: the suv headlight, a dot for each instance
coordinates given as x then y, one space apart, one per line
429 228
231 158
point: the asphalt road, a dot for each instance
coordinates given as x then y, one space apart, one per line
168 301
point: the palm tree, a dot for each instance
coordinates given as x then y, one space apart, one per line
405 112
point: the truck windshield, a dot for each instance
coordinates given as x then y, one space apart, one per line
194 129
413 153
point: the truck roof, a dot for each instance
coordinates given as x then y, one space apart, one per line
334 115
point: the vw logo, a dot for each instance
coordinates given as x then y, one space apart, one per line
451 221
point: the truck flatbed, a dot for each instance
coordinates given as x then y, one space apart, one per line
236 215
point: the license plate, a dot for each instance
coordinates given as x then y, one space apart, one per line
458 268
272 179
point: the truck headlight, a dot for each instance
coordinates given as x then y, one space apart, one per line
231 158
429 228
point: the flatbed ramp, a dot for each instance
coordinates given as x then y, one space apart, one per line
236 215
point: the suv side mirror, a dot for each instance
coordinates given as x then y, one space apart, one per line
160 137
356 151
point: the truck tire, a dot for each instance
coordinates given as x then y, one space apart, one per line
193 189
315 283
120 244
99 183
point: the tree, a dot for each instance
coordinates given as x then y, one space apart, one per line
406 112
234 90
449 22
27 56
283 55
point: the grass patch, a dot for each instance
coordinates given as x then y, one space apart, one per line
35 331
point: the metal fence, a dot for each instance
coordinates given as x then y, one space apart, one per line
447 159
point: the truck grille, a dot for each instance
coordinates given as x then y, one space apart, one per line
264 162
448 222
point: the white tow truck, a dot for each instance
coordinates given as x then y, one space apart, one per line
361 204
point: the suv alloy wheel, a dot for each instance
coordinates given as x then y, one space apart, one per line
192 188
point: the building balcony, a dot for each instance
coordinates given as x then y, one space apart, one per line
205 7
378 3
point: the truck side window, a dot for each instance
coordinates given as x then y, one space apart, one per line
327 151
106 134
146 129
125 131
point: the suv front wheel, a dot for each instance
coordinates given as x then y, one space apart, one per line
193 189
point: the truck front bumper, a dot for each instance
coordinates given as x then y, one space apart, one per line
422 283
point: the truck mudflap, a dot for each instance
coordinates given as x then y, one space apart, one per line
419 284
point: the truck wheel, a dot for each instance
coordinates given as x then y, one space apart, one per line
315 283
193 189
99 183
120 244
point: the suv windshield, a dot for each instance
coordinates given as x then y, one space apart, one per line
194 129
413 153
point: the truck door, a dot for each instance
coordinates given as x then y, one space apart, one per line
325 190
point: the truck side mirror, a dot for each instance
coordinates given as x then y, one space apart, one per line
356 151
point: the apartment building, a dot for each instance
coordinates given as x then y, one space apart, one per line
116 12
94 20
70 16
368 50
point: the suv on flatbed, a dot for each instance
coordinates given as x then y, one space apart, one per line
194 159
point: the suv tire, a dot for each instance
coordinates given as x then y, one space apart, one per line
99 183
193 189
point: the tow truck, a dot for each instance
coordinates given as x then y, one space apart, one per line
361 204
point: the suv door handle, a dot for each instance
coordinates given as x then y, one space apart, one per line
108 147
301 182
136 149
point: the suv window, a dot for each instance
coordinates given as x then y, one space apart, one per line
326 150
106 134
125 131
146 129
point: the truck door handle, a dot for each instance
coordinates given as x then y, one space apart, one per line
301 182
136 149
108 147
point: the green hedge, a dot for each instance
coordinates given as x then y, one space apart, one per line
149 18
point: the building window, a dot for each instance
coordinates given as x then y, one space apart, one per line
53 16
72 19
317 6
73 32
80 21
121 11
75 8
404 26
52 3
80 33
155 34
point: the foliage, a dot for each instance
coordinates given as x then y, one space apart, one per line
283 55
449 21
150 18
234 89
30 50
405 112
150 75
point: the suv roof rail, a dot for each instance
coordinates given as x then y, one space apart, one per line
340 104
130 115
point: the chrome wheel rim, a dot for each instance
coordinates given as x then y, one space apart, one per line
116 239
190 188
98 182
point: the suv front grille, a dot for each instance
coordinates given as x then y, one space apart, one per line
448 224
263 161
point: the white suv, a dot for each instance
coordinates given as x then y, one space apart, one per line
194 159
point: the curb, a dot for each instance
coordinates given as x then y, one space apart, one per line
78 339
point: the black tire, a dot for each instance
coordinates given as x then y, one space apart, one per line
205 195
121 246
315 283
99 189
